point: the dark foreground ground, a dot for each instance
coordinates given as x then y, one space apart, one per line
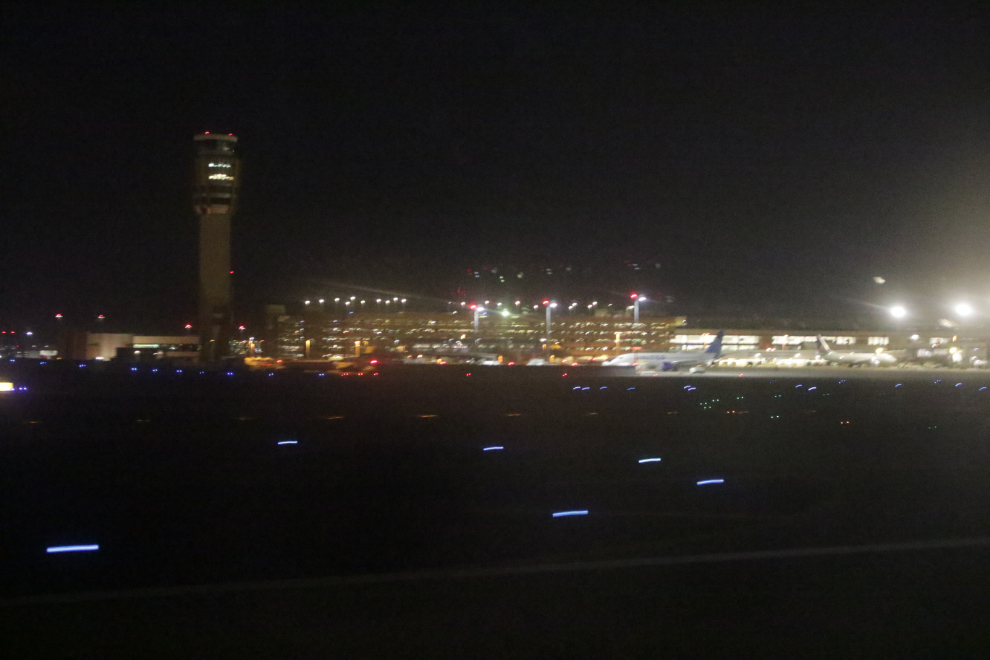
852 519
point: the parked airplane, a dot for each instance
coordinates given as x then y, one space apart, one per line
671 361
877 359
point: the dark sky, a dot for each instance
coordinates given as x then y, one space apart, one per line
769 160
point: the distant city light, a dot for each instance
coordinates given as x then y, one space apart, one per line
879 280
306 302
188 326
58 316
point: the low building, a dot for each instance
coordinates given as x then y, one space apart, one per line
79 345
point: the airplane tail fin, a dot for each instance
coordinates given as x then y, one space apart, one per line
822 345
715 348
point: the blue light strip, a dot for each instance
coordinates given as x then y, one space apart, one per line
562 514
711 481
649 460
492 448
288 442
72 548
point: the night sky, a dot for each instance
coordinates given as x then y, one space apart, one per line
770 161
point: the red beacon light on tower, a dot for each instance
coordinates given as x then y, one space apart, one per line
633 296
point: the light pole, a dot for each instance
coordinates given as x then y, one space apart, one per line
549 306
636 298
477 313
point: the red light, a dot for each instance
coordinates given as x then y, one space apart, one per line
231 272
468 373
633 296
374 362
511 363
206 132
231 134
375 374
546 302
242 328
101 316
188 326
564 376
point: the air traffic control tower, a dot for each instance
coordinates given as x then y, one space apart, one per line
215 199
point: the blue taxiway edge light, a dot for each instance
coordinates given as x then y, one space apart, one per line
711 481
649 460
492 448
72 548
564 514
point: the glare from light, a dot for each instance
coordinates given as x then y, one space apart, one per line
72 548
288 442
6 387
564 514
898 311
321 301
307 302
505 313
963 309
497 448
649 460
711 481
